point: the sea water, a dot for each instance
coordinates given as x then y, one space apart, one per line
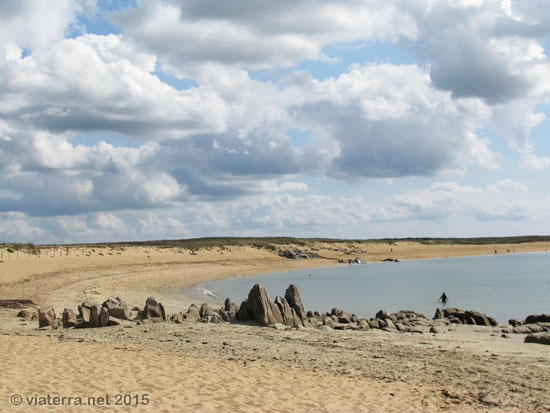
502 286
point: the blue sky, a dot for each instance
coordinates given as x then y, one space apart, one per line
134 120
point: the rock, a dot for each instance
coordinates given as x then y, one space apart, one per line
435 330
177 318
438 314
95 311
310 314
104 317
260 308
537 318
292 296
415 330
297 253
389 324
204 308
114 321
480 319
513 322
538 338
324 328
230 306
374 323
193 311
290 318
117 308
85 309
47 318
154 310
26 314
344 319
400 327
68 318
382 315
529 328
278 326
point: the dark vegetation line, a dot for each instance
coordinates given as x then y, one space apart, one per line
271 243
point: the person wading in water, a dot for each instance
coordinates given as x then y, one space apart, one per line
443 298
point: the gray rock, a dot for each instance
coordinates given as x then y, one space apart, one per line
400 327
292 296
435 330
230 306
204 308
327 321
382 315
538 338
290 318
260 308
47 317
324 328
537 318
389 324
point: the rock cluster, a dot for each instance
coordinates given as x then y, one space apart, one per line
533 324
298 253
260 308
112 312
459 316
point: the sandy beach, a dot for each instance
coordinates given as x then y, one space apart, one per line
170 367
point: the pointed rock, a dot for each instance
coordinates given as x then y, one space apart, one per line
292 296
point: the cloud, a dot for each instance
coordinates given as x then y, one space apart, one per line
258 34
383 120
441 209
100 83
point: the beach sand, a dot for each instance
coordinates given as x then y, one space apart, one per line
222 367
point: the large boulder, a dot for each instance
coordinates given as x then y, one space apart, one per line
538 338
47 317
117 308
290 318
292 296
154 310
260 308
537 318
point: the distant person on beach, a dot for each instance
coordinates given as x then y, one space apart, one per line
443 298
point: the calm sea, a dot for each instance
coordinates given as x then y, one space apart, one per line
502 286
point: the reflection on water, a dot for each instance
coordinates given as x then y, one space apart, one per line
503 286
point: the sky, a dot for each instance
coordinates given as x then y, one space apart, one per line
149 119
